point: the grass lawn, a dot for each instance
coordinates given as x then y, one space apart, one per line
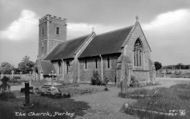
82 89
182 75
67 108
164 100
50 105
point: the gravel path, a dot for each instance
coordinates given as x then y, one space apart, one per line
105 105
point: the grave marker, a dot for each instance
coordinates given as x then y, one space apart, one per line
27 94
52 75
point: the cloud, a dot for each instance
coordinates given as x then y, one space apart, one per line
174 18
26 27
168 34
22 28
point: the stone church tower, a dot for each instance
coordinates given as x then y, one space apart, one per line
52 31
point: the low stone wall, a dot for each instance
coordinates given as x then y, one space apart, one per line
21 76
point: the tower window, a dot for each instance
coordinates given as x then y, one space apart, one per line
57 30
138 53
108 62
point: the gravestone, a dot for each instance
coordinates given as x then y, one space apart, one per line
52 75
41 76
27 94
21 75
152 71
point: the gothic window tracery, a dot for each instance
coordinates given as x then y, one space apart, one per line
138 49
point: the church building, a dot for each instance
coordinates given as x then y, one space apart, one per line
115 54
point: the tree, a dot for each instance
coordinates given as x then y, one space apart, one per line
157 65
179 66
6 68
26 65
16 71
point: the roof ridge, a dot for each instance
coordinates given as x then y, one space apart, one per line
111 31
79 37
67 41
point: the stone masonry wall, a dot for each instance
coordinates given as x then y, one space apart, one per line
110 73
139 72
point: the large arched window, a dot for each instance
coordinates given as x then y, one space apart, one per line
138 48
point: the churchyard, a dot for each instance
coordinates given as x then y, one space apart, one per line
168 99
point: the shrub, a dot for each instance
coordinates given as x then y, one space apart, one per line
16 80
134 82
95 79
4 86
106 80
66 95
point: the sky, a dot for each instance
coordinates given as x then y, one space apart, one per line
165 24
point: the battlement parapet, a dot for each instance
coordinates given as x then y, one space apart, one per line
49 17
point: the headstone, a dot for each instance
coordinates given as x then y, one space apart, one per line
154 74
20 75
41 76
52 75
27 94
152 71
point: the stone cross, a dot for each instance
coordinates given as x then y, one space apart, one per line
52 75
137 18
41 75
27 93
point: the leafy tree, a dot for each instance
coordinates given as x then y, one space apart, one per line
157 65
6 68
26 65
95 79
16 70
179 66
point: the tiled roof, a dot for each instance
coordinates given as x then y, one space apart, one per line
66 49
107 43
47 67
